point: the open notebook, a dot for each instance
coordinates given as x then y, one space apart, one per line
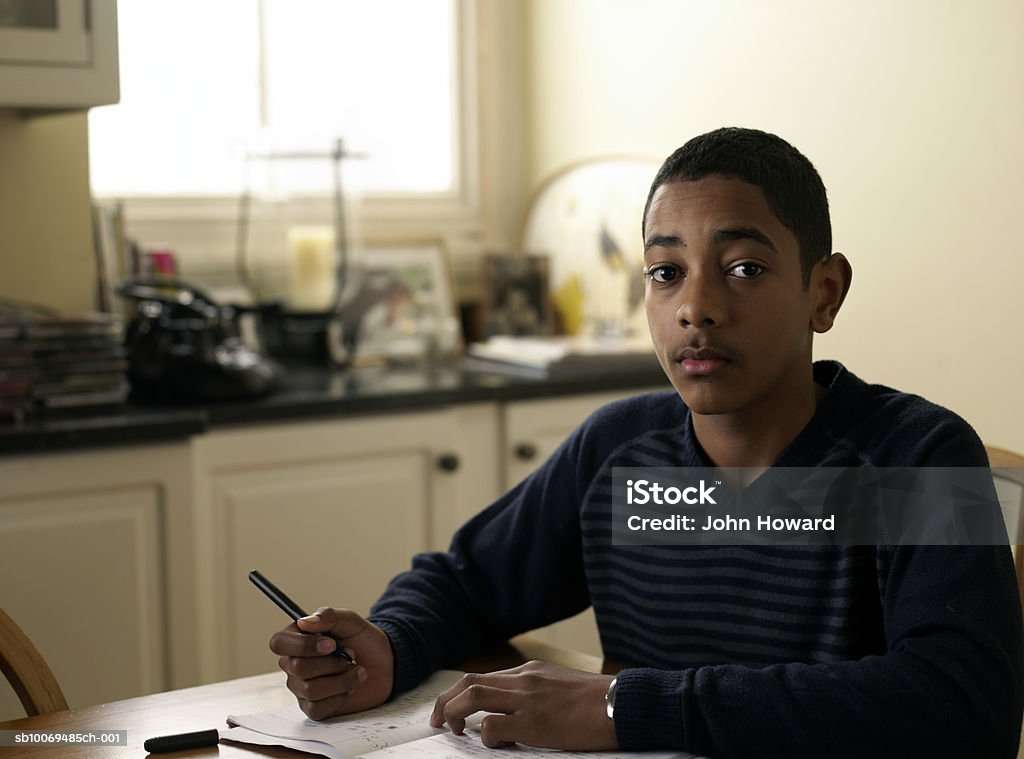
398 728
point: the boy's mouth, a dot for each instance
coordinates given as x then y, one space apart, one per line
702 362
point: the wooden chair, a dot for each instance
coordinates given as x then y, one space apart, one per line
27 671
1008 472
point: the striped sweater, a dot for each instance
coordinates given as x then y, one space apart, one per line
741 651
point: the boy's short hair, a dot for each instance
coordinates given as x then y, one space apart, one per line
790 183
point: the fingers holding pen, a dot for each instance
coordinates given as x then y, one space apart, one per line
314 675
326 685
293 641
309 667
329 695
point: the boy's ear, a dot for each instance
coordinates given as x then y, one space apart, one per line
830 281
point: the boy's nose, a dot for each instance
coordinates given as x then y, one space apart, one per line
701 304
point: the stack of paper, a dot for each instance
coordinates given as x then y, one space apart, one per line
558 357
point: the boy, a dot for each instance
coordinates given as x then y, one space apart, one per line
731 650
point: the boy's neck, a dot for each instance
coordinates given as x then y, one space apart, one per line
756 439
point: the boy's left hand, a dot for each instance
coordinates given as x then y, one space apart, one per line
537 704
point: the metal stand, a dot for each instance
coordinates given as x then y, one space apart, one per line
336 155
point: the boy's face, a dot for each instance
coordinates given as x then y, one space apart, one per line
728 312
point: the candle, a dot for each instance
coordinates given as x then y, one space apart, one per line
311 268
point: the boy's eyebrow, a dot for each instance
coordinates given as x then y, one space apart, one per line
663 241
719 236
743 233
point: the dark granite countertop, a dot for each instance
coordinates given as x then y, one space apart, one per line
309 391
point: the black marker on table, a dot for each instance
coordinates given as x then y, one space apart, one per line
165 743
289 607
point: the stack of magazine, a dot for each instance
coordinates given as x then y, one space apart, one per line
560 357
60 362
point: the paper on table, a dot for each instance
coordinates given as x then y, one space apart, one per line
397 722
448 746
245 735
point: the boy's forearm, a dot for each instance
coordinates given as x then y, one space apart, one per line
881 704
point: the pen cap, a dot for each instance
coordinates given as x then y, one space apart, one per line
182 741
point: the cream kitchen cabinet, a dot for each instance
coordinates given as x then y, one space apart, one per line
330 511
84 538
58 54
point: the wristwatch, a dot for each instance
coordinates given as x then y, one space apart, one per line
609 698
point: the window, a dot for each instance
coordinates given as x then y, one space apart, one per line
203 83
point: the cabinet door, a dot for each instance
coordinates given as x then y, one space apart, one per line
58 53
330 511
47 32
533 430
81 567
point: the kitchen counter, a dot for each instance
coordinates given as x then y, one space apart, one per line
309 391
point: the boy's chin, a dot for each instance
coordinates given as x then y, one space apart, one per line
706 403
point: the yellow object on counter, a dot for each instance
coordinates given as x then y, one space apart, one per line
569 299
312 265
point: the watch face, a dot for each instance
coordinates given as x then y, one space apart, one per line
609 698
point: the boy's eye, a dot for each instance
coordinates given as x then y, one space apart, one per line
746 270
663 273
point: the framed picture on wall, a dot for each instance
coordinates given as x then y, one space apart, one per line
398 307
516 300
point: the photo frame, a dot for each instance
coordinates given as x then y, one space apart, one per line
398 307
516 298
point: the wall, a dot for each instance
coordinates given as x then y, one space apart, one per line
910 110
46 251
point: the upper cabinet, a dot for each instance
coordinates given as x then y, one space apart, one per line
57 54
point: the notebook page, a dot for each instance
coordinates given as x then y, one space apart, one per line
391 724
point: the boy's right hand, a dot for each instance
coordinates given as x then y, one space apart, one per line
327 685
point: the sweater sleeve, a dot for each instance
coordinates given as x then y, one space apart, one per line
514 567
949 682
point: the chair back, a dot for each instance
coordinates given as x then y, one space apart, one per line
27 671
1008 475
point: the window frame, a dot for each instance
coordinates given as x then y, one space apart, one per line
193 222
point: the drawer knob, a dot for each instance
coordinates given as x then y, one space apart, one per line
526 451
448 462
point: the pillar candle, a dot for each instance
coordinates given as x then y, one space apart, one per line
311 268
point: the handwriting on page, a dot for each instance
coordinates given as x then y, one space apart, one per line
402 720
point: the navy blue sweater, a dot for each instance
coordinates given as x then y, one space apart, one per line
741 651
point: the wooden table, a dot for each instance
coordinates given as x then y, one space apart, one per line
206 706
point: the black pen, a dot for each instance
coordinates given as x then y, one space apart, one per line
289 607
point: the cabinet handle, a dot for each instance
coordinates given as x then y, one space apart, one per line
448 462
525 451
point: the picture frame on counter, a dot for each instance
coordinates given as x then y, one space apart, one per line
516 298
397 307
